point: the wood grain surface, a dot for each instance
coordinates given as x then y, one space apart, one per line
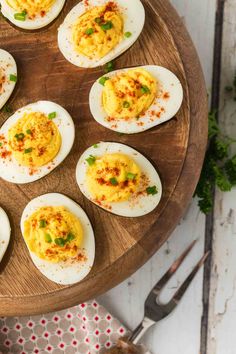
176 148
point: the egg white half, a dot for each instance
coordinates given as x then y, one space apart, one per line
11 170
145 203
166 81
134 18
8 66
62 273
5 232
38 21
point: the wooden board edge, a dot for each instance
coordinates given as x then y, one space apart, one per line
174 210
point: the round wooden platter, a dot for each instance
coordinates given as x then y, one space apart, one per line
176 148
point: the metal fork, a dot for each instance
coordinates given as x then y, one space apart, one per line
154 310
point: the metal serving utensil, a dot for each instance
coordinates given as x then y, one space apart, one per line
154 310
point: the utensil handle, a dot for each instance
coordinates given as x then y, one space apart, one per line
141 330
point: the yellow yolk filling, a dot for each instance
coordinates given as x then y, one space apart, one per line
53 234
98 31
34 140
113 178
129 94
32 7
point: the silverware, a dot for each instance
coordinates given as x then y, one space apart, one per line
154 310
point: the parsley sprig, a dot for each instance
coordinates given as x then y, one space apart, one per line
219 169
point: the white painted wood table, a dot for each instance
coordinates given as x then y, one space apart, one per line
181 332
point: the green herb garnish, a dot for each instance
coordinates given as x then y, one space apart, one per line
52 115
107 26
109 67
27 151
218 168
28 131
128 34
152 190
126 104
103 80
114 181
13 78
89 31
98 20
230 169
47 238
145 89
60 242
7 109
0 144
19 136
95 146
91 160
131 176
42 224
21 16
70 237
213 128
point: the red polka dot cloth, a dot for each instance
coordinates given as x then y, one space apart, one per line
84 329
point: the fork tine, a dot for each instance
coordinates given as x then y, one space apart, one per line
180 292
174 267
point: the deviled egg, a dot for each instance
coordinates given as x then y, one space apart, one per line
97 31
135 99
31 14
119 179
8 76
5 232
59 237
34 141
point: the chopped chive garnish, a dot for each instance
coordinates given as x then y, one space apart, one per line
107 25
89 31
131 176
60 242
103 80
145 89
128 34
152 190
113 181
7 109
52 115
0 144
98 20
19 136
21 16
28 131
109 67
13 78
91 160
95 146
27 151
47 238
70 237
126 104
42 223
